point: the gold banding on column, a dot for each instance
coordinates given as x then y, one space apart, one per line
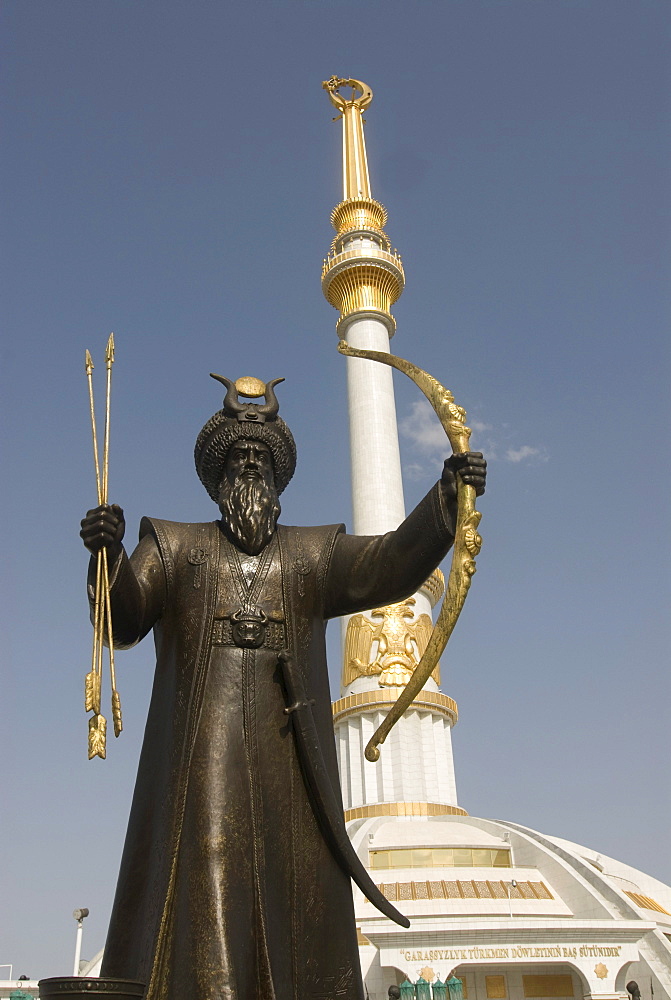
354 704
357 281
359 213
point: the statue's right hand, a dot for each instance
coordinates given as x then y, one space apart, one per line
103 528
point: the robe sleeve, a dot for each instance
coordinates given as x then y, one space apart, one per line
371 571
137 592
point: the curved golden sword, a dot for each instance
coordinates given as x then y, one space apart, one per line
467 541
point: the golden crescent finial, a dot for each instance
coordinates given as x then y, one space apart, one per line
361 97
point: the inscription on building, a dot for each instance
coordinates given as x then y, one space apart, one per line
512 952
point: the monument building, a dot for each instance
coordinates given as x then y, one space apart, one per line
511 912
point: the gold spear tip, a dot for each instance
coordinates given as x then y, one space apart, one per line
88 363
109 350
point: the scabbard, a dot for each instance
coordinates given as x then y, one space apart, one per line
325 804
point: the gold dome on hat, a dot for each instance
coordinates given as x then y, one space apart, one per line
250 387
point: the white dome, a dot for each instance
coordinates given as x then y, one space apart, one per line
548 916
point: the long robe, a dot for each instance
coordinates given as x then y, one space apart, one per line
227 890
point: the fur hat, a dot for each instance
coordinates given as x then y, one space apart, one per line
238 420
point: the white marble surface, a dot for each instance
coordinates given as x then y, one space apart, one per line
377 485
415 764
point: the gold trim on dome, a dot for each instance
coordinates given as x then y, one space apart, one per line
646 902
439 857
377 700
461 889
403 809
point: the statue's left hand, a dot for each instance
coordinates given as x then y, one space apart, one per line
472 468
103 528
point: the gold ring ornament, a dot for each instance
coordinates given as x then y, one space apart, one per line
467 541
361 97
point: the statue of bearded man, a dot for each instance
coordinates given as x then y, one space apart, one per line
234 881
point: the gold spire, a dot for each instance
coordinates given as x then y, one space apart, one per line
361 274
356 183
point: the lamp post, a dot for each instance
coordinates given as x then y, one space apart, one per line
78 987
79 917
510 885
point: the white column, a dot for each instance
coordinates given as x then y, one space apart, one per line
415 764
377 485
378 504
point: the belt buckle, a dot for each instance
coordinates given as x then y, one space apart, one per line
248 628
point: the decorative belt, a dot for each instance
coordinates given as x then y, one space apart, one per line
249 629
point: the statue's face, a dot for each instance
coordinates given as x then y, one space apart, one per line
248 496
249 459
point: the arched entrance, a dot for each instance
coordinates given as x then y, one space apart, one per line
520 981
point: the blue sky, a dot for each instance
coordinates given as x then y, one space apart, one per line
169 169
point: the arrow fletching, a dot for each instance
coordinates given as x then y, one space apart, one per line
116 713
97 736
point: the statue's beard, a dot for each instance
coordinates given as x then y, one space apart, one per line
249 511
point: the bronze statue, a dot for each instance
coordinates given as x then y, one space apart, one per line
235 876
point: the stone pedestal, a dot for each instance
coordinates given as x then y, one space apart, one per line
83 988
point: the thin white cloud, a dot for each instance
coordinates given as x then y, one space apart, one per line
524 453
422 428
415 470
479 426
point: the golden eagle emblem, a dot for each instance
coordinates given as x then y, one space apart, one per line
392 646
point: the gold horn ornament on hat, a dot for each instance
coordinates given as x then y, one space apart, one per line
250 388
467 541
